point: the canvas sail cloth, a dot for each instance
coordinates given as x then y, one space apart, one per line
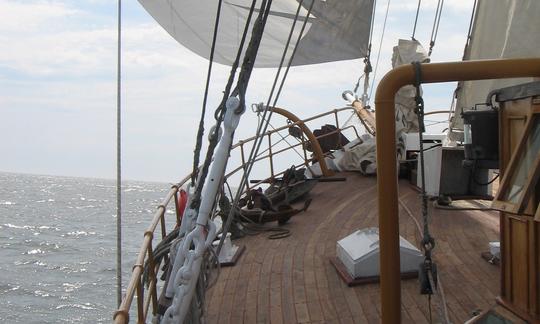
501 29
362 157
406 52
336 29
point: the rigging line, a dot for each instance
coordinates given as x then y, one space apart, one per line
380 49
442 295
285 139
372 22
258 139
200 131
290 61
435 28
219 113
416 19
283 79
368 53
469 33
257 144
119 159
269 148
265 121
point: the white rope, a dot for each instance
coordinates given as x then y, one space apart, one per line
119 161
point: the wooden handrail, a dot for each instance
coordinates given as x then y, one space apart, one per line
145 253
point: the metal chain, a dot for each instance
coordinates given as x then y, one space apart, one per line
427 241
428 269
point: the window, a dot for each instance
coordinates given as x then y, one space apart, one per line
523 171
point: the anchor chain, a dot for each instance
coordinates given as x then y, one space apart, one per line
428 269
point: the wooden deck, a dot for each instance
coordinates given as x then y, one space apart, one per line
292 281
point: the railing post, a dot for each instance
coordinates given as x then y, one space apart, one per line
271 157
152 278
242 153
140 302
162 221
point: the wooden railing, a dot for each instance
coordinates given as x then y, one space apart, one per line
136 284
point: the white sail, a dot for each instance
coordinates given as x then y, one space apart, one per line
502 29
336 29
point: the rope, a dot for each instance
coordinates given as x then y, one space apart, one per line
200 132
435 28
440 288
380 48
473 176
119 160
469 33
283 139
416 19
219 113
260 128
251 54
367 62
249 227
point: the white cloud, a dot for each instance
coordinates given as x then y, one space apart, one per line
19 16
62 58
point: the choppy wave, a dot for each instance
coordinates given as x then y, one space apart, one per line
86 306
35 251
58 245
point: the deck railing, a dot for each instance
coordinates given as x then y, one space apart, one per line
136 287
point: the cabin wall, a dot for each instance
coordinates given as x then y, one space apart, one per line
520 234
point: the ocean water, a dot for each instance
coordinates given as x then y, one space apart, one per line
58 245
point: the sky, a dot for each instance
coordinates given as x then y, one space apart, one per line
58 85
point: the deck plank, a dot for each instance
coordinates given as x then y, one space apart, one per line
292 281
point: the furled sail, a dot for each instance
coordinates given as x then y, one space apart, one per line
336 29
505 29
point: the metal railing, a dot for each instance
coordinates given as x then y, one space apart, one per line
135 287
